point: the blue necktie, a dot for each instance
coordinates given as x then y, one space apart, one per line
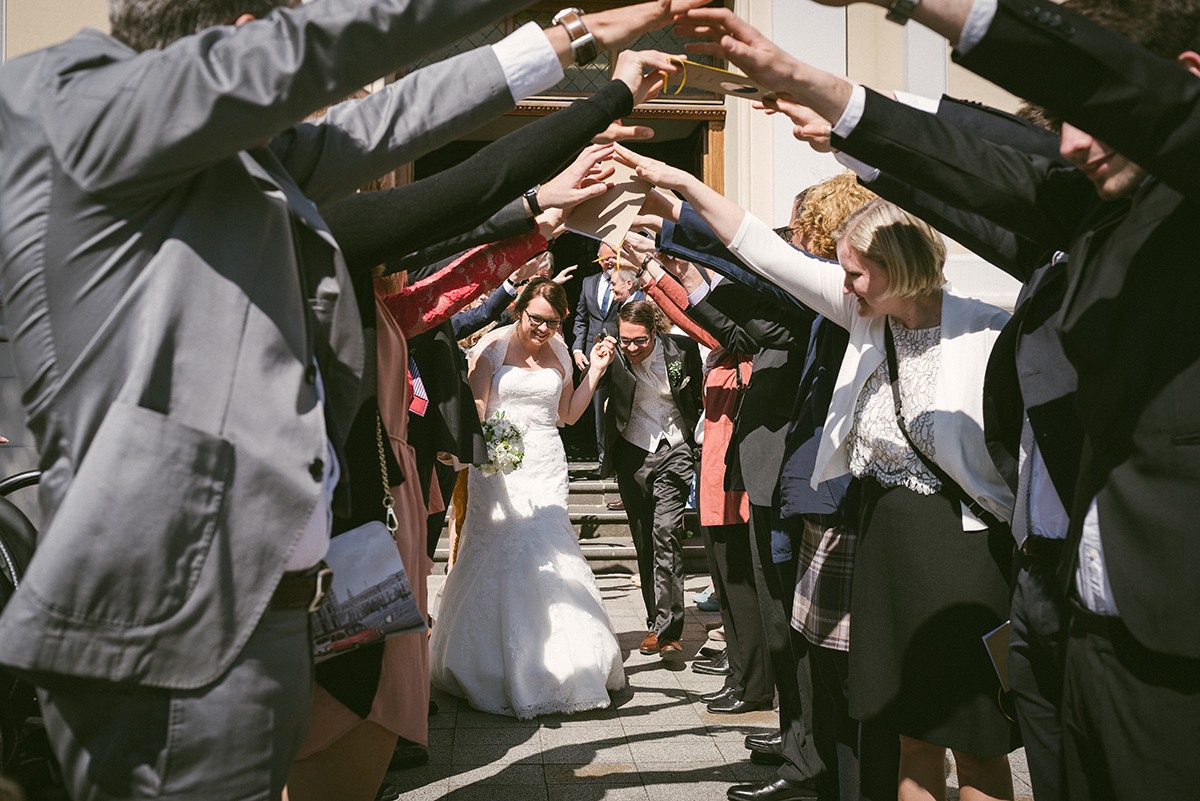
607 301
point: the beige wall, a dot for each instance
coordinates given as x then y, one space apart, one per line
33 24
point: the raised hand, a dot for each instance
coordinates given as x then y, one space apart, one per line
637 247
617 132
582 180
810 127
617 28
564 275
602 354
737 41
644 72
654 171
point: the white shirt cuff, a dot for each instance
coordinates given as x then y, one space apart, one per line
852 113
700 293
977 24
929 105
864 171
509 287
528 60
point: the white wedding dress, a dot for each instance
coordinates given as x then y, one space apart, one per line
520 628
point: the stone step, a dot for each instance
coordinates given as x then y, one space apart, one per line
586 492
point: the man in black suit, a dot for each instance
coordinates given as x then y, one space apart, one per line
1131 691
653 407
595 314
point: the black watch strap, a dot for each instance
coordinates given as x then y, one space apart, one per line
531 198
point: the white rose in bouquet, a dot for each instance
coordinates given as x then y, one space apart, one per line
504 444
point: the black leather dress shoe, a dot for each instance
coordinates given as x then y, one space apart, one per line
717 667
724 692
732 706
772 790
765 743
711 653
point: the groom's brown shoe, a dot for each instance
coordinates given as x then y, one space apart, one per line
650 644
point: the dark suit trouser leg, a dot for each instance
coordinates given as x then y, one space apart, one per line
234 739
598 398
776 586
658 490
639 509
1130 717
1036 639
728 548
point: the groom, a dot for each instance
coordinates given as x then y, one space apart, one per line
653 406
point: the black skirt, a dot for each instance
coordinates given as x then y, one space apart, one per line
924 594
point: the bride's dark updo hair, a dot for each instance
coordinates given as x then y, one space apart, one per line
541 287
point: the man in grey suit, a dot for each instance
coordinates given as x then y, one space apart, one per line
190 351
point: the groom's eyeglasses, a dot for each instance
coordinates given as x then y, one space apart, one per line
634 342
538 322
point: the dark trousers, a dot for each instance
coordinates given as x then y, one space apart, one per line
655 488
234 739
867 758
598 399
1036 640
729 562
1130 716
775 583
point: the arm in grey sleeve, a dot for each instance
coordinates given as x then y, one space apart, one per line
137 124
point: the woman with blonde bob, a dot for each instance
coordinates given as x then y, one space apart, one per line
929 575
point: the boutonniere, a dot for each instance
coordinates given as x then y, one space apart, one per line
675 372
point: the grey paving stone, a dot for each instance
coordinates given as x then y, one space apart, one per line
684 747
593 792
578 753
497 774
473 719
485 792
621 773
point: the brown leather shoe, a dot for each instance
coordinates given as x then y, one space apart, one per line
650 644
616 506
669 648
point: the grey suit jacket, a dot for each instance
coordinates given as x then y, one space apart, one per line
169 285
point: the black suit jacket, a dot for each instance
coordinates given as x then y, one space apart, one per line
589 322
737 315
1129 329
686 393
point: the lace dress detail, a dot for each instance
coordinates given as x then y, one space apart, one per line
521 629
876 446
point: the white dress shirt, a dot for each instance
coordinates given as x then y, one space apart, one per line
654 416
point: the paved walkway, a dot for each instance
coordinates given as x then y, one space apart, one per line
656 742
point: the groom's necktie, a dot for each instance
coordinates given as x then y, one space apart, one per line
606 301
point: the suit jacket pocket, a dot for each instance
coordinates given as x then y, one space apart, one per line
127 543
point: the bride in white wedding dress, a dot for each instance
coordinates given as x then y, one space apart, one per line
521 629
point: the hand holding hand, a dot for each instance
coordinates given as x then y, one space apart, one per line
581 361
637 247
602 355
527 270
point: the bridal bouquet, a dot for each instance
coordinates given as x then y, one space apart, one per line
504 446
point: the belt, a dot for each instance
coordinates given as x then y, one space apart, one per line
303 589
1036 547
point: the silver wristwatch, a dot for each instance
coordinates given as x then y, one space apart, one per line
583 44
900 10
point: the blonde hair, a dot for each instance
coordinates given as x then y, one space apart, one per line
826 207
908 248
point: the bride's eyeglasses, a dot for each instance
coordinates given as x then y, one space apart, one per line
538 322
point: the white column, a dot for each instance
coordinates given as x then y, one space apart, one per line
926 68
817 35
3 30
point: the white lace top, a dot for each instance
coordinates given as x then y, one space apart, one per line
876 446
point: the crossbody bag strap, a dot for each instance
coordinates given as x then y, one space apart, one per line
389 503
948 483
